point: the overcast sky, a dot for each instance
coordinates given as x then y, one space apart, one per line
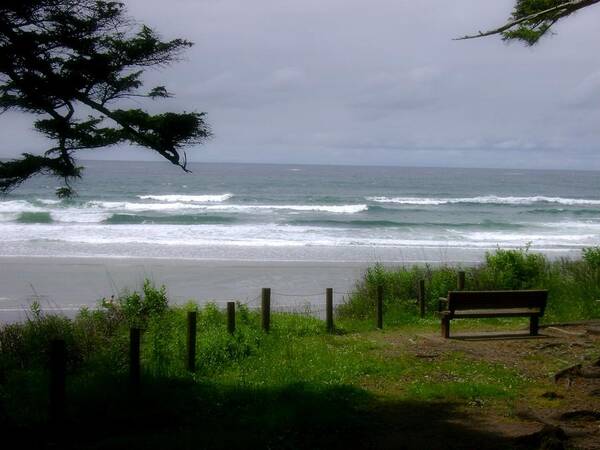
372 82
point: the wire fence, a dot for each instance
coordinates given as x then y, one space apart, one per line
306 304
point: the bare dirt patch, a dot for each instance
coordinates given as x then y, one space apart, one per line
560 408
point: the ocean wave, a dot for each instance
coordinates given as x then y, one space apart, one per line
35 217
48 201
78 215
192 219
566 224
129 206
187 198
111 212
486 224
407 200
18 206
562 211
486 199
269 235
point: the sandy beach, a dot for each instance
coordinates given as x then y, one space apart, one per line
67 284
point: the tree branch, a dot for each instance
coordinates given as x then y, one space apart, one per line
173 158
563 10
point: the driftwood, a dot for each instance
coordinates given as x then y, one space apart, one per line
581 414
593 330
570 333
572 324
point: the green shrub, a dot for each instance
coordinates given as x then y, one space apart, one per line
440 281
573 286
591 256
515 269
137 307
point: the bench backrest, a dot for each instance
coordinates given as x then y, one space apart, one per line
464 300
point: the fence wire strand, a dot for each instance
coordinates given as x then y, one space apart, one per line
314 304
318 294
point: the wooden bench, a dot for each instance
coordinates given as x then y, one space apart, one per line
480 304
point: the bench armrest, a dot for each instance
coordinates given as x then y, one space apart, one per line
442 301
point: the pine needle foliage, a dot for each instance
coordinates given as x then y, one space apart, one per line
532 19
73 63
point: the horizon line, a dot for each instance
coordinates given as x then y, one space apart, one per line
342 165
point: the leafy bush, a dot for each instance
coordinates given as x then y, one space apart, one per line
439 283
591 256
515 269
573 286
136 308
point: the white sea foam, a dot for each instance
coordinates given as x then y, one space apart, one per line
274 235
408 200
18 206
187 198
78 215
47 201
130 206
486 199
98 211
136 207
11 210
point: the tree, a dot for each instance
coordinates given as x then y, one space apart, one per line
532 19
73 63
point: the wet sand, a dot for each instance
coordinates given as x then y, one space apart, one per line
65 284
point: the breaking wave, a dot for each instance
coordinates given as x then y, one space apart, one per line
486 199
130 206
187 198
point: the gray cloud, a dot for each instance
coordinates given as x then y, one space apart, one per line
381 82
586 94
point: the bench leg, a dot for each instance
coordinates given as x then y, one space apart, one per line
534 325
445 327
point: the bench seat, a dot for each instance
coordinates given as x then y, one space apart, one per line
478 313
487 304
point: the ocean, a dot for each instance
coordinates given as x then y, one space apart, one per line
253 212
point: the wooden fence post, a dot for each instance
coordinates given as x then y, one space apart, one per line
422 298
460 280
58 370
191 340
231 317
329 309
266 309
380 307
134 358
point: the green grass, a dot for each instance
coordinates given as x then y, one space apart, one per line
454 377
573 286
287 388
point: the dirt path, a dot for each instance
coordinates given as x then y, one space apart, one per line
560 410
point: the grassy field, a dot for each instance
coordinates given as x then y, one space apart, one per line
296 386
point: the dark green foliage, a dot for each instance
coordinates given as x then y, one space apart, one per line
59 58
515 269
591 256
574 286
295 387
532 19
400 289
532 30
136 308
15 172
64 192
